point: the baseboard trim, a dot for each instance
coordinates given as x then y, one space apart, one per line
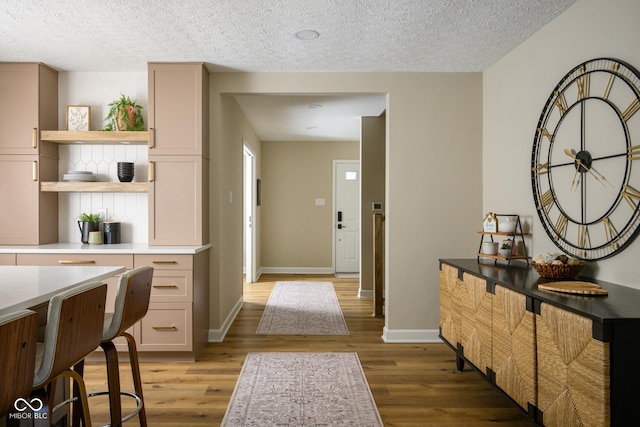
296 270
365 293
217 335
411 335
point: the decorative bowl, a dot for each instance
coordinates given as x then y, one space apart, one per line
490 248
558 271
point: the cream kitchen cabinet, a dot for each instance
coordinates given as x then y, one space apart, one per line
7 259
125 260
29 93
178 316
178 200
178 109
178 154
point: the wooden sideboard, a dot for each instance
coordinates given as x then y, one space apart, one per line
567 360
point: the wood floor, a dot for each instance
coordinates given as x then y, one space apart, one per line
412 384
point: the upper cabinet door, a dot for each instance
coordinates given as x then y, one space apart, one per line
29 94
178 109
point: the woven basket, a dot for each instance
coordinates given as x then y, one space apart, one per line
563 271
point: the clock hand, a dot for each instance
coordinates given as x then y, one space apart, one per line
573 181
591 170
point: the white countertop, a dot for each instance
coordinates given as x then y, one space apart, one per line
27 286
122 248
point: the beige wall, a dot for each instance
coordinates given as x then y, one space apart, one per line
433 181
516 89
372 154
297 235
229 128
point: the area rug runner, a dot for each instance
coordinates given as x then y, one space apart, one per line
303 308
302 389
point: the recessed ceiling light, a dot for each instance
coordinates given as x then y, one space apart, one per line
312 127
306 34
314 105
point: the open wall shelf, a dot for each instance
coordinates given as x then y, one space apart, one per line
94 187
96 137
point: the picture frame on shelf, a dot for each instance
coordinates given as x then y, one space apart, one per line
78 117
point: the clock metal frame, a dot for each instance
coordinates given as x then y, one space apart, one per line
585 187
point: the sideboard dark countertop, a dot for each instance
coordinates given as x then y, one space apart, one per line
621 304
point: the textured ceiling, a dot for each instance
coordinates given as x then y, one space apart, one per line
257 35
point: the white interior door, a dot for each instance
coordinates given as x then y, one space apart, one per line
249 215
347 216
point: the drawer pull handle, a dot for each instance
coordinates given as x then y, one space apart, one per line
165 262
34 171
34 138
76 261
165 286
151 172
152 138
165 328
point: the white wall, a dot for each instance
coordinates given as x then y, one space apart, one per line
515 91
131 209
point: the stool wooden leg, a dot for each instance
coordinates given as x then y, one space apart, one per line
77 408
135 372
82 396
113 378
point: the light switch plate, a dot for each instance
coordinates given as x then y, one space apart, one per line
104 214
319 202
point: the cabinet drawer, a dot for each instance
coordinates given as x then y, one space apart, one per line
167 327
165 262
172 286
7 259
76 259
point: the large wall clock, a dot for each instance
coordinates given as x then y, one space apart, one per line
585 163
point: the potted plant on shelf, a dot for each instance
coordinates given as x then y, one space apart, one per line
87 224
505 250
124 115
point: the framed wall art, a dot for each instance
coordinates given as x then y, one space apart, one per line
78 117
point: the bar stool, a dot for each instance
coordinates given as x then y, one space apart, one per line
18 331
74 329
131 305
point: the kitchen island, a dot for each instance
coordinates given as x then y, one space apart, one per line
176 326
30 286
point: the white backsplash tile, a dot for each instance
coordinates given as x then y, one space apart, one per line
130 209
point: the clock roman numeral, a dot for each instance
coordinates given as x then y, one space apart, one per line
541 168
544 132
561 226
612 77
583 85
546 201
630 194
634 152
584 241
610 231
630 110
561 103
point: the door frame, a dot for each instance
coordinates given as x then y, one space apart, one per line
249 211
334 221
